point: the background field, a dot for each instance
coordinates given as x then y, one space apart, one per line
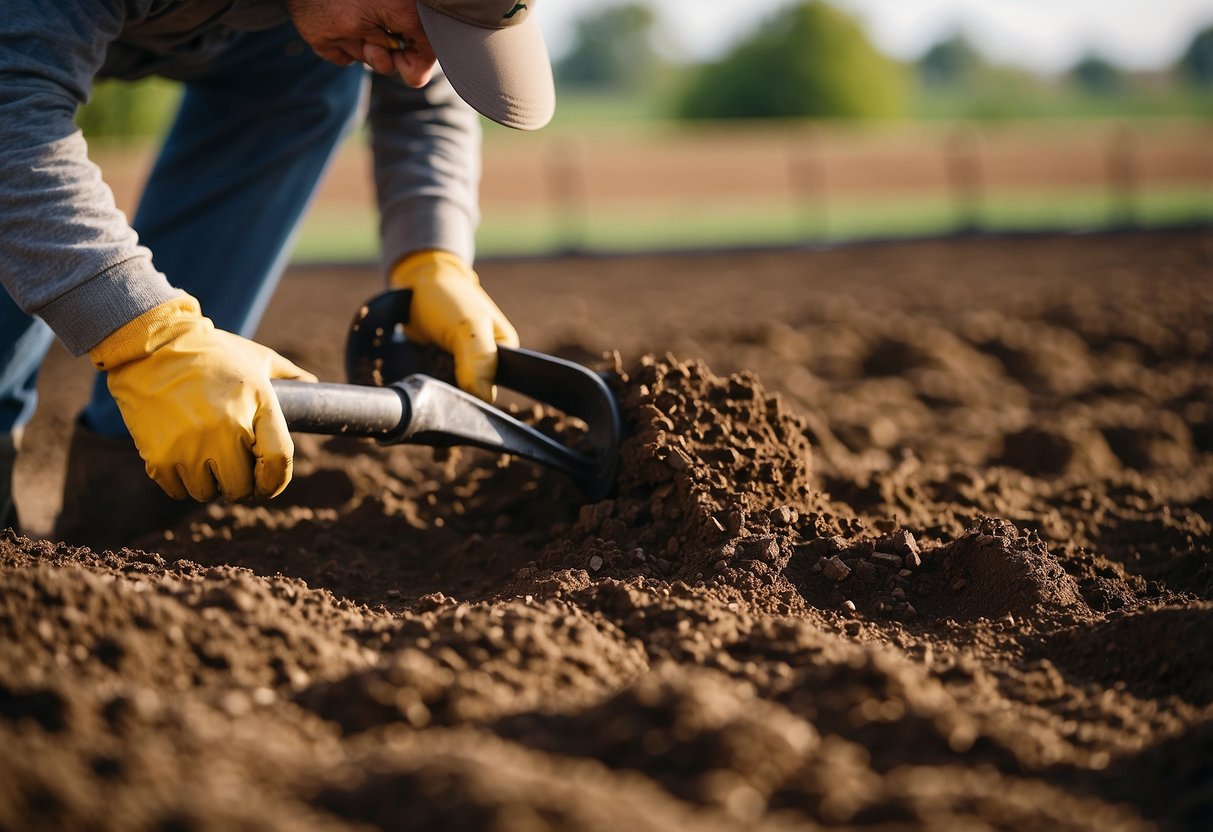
651 185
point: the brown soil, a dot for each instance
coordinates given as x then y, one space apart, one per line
906 537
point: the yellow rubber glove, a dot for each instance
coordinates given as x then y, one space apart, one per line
450 310
199 405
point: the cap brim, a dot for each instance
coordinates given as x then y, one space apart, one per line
504 74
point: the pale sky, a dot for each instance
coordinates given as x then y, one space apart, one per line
1046 35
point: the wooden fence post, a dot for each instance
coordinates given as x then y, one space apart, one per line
807 182
568 188
1123 177
965 176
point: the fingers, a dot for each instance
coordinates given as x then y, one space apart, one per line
282 368
400 62
272 365
273 450
182 480
337 54
200 480
450 309
378 59
169 480
257 461
204 415
229 473
476 362
470 332
416 70
475 354
202 483
503 330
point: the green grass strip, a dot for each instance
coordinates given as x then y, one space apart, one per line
351 234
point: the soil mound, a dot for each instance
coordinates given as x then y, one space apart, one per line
716 476
995 570
1153 653
473 663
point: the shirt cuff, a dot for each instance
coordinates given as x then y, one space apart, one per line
427 224
86 315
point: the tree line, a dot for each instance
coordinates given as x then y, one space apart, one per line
808 60
814 60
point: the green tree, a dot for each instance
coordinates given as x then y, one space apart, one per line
612 50
1196 64
1098 75
808 60
951 63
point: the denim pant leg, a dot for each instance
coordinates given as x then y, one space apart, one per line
240 165
24 341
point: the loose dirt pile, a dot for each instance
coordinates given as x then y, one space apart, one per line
905 538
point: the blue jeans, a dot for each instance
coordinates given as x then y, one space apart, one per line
255 132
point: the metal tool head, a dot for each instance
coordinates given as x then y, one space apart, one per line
378 353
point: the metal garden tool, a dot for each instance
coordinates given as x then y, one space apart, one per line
411 406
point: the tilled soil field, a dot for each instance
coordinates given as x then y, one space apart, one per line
906 537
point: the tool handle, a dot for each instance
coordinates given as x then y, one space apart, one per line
342 409
443 416
378 353
420 410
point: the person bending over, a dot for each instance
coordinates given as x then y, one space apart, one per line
164 305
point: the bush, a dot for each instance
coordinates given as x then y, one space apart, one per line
809 60
612 50
1196 65
950 63
1098 76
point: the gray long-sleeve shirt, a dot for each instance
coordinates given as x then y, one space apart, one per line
68 255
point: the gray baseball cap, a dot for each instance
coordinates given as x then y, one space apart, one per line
494 56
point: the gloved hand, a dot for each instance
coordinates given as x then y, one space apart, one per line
450 310
198 403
